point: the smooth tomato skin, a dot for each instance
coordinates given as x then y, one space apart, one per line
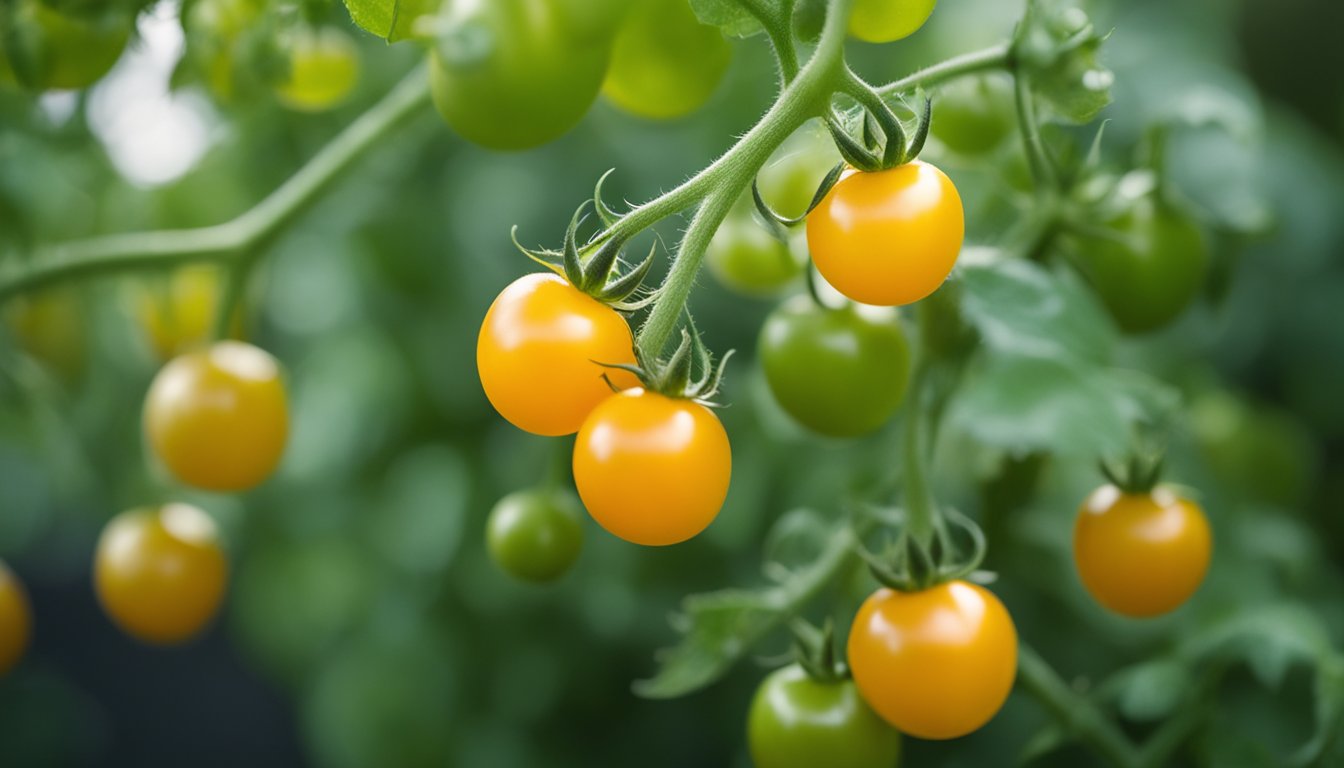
66 51
1151 271
749 260
664 62
839 372
160 574
1141 555
508 76
935 664
535 535
323 70
882 21
538 352
798 722
16 620
888 238
218 418
973 116
651 469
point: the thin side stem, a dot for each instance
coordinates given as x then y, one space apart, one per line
1074 712
1042 170
994 57
920 511
220 242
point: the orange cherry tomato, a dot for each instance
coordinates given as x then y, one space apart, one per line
16 622
1141 554
651 469
218 418
160 573
935 664
889 237
539 349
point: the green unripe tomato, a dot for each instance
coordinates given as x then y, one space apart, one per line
214 29
839 372
747 259
788 183
1150 268
1264 454
594 21
974 115
664 62
52 50
535 535
882 21
798 722
323 68
505 75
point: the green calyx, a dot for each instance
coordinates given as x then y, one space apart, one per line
690 373
882 141
909 564
1136 476
777 223
597 267
815 651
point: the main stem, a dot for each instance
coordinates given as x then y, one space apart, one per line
1076 713
719 185
221 242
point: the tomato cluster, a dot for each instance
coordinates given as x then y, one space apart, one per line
514 74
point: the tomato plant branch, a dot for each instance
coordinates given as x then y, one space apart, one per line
220 242
920 511
1073 711
992 58
718 186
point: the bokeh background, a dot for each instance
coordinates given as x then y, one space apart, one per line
365 624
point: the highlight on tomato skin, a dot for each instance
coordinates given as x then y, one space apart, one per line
935 664
160 573
888 238
652 469
1167 534
540 354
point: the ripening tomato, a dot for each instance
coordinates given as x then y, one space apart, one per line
323 68
160 574
840 372
535 535
652 469
664 62
882 21
178 313
55 49
749 260
539 349
889 237
798 722
1149 268
938 663
16 621
50 326
506 74
218 417
1141 555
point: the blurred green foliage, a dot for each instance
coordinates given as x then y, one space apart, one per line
363 596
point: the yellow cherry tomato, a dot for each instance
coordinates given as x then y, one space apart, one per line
882 21
889 237
50 326
323 68
935 664
160 574
178 314
218 418
651 469
1141 554
16 622
539 349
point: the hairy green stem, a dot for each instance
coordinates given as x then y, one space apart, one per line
920 511
221 242
719 185
1074 712
994 57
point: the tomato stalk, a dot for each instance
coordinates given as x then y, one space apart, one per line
1042 169
1073 710
920 511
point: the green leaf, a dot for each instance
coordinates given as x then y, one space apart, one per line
1058 47
731 16
1152 690
392 20
720 628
